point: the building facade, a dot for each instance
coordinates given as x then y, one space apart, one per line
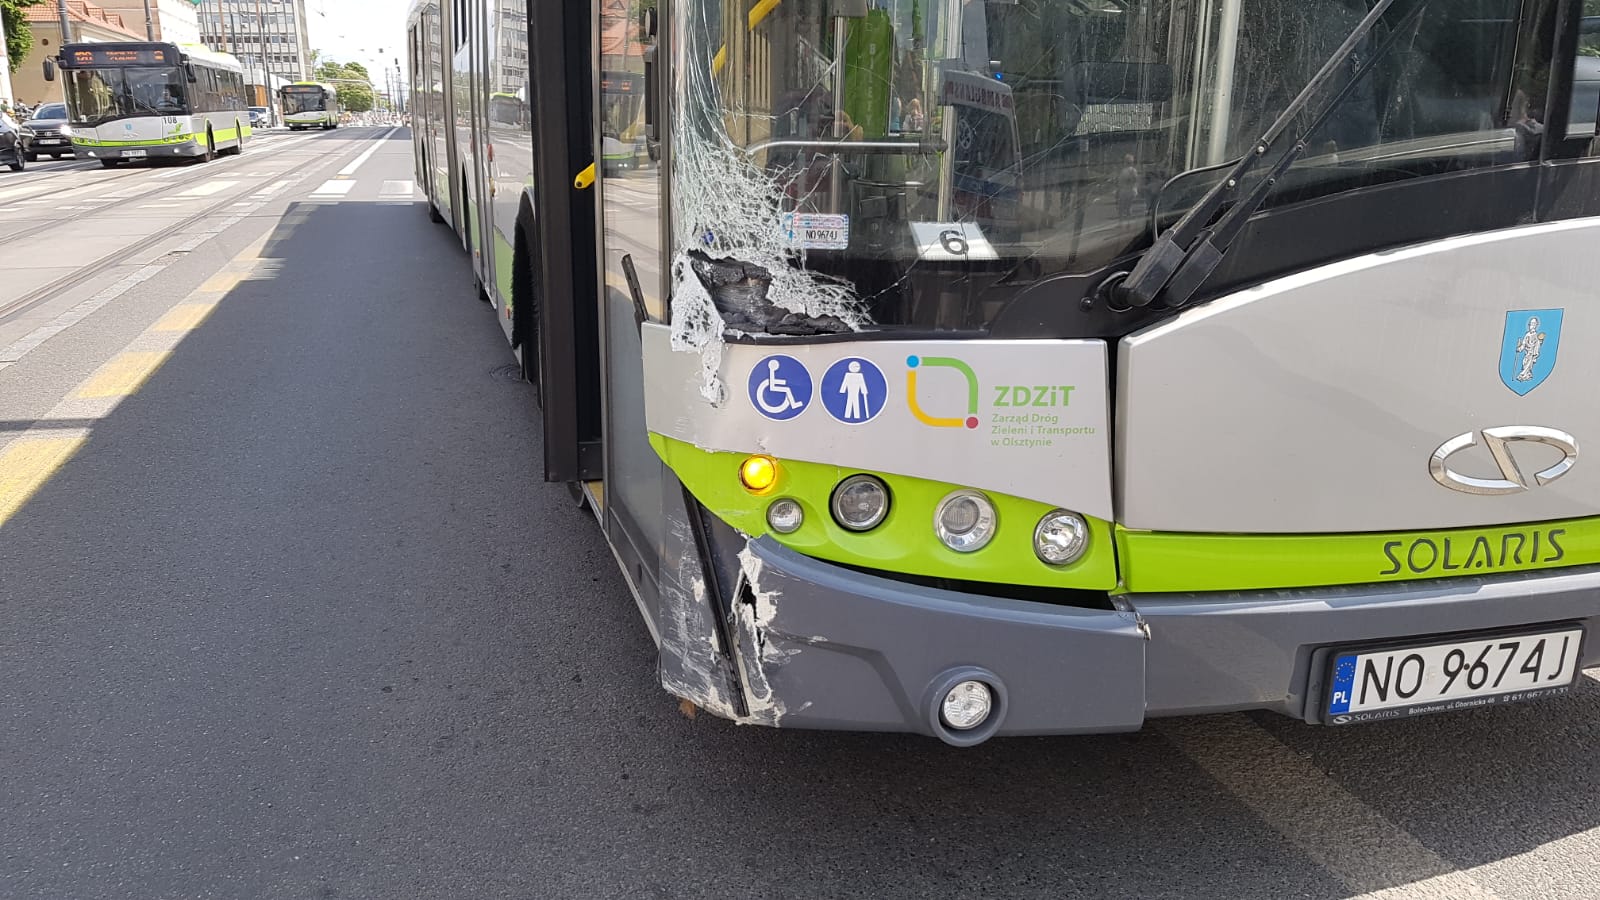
88 22
272 32
173 21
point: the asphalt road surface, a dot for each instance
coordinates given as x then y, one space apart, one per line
286 612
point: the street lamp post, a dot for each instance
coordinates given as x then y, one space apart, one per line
149 23
66 22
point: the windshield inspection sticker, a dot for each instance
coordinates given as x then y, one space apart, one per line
816 231
780 387
854 390
947 241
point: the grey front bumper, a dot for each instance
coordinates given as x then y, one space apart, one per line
159 151
833 648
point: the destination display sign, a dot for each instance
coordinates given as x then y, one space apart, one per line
119 56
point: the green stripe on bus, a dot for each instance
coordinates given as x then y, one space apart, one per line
147 142
1166 561
904 541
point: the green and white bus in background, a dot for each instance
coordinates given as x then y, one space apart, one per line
975 368
143 100
307 104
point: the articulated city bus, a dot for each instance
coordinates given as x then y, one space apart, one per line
984 368
307 104
139 100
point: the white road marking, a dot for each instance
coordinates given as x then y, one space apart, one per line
333 188
1370 854
271 189
397 189
159 206
208 188
367 154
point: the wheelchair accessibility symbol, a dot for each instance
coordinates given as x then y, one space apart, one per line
780 387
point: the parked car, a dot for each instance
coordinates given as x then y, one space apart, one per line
260 117
51 134
16 142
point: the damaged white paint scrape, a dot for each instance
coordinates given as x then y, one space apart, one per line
727 208
689 634
752 621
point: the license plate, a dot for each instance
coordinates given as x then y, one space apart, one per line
1399 682
51 141
133 154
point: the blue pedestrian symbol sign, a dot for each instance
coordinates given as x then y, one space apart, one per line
1528 348
780 387
853 390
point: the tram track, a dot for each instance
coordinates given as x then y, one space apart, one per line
62 218
50 290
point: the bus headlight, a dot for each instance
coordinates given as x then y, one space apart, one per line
860 502
785 516
1060 537
965 521
66 131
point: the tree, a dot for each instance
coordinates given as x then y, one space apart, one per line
19 37
352 82
355 97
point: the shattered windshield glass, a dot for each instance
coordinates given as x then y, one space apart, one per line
901 162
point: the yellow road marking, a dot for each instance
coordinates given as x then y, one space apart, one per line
123 374
26 465
222 282
184 317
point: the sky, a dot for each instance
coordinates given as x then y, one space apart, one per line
354 30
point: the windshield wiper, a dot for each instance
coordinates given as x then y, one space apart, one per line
1183 256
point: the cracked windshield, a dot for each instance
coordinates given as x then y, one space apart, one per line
1009 141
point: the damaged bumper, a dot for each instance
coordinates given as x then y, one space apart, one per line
820 646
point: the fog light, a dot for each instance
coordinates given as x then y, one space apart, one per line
860 502
965 521
1060 537
758 473
785 516
967 705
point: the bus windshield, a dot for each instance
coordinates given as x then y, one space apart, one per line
100 95
1041 138
306 100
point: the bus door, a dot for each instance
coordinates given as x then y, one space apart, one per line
559 331
629 187
478 138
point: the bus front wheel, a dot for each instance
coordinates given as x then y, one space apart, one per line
211 148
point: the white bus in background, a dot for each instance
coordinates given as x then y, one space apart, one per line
307 104
140 99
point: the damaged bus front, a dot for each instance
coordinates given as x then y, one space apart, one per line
975 368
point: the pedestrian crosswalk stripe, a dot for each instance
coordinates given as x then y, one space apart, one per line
334 188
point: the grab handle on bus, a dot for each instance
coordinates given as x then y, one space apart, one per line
585 179
652 93
652 87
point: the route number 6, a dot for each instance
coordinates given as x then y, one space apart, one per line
954 242
951 241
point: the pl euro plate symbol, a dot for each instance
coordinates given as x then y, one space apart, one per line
1512 480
